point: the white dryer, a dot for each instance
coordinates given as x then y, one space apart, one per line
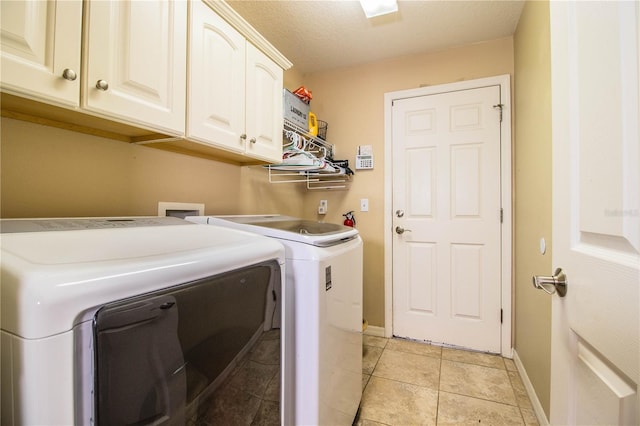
136 321
324 276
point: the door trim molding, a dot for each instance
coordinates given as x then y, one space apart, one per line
504 81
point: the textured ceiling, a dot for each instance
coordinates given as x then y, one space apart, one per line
321 35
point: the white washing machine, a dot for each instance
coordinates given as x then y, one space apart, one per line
324 276
136 321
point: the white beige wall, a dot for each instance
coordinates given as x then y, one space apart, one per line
351 101
533 194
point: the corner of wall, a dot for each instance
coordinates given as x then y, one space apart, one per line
532 205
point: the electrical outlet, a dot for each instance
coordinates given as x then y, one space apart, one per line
322 207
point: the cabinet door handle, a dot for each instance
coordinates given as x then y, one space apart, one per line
102 85
243 136
69 74
252 140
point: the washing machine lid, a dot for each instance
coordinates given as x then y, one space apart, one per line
319 234
55 271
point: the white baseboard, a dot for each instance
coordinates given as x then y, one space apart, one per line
535 402
373 330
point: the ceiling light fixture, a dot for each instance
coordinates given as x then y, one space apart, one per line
373 8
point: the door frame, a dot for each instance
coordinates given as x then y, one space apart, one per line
504 81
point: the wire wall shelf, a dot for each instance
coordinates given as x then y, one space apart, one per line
308 159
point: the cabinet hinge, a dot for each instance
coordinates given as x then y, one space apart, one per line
501 215
501 316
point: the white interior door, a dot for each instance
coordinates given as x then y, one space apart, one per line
596 217
447 199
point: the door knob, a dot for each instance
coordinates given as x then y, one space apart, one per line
400 230
556 283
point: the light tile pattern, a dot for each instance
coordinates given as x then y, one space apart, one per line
414 383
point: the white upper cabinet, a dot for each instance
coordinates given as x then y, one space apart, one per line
216 80
135 62
264 106
134 58
235 90
40 42
121 66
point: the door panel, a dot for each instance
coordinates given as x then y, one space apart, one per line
466 181
446 179
139 50
422 269
216 80
466 280
264 106
596 198
39 41
420 180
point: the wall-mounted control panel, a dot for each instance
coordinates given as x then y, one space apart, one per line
364 157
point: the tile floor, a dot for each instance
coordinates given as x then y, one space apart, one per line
412 383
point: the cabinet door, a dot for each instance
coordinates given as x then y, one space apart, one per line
137 51
264 106
39 40
216 80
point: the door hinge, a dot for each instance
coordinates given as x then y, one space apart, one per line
500 107
501 316
501 215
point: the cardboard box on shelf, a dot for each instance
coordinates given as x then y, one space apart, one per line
295 110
